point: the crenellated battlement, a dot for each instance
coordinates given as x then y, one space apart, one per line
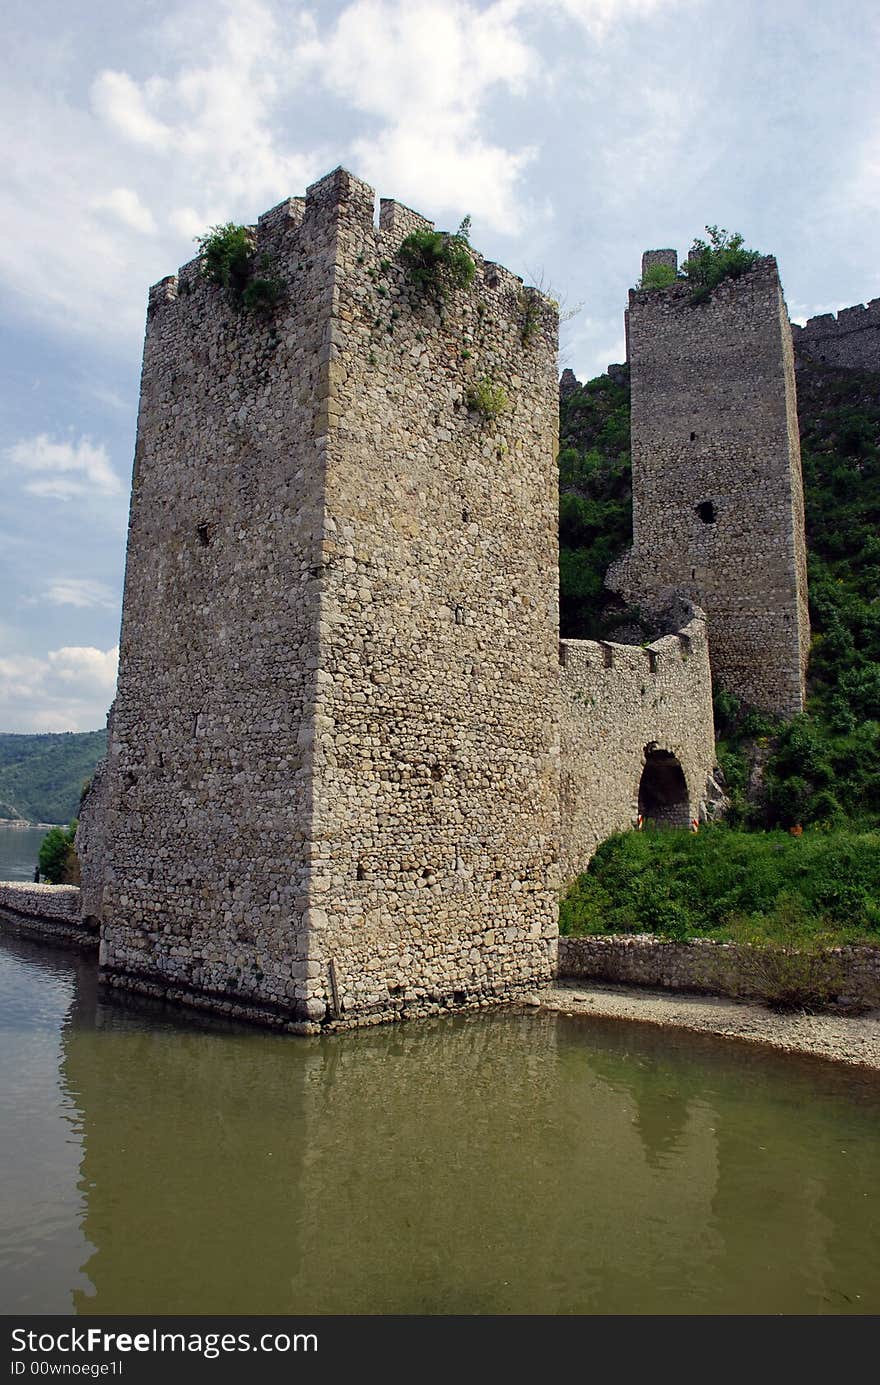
331 236
848 339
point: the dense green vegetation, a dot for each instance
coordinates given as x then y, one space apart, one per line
439 261
58 860
721 883
595 501
227 260
722 256
41 777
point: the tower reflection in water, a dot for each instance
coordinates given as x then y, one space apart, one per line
499 1163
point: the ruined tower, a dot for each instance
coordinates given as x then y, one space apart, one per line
717 491
331 793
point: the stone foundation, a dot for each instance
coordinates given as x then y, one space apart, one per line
705 967
50 912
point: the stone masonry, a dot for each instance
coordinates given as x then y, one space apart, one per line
849 340
636 737
332 787
717 490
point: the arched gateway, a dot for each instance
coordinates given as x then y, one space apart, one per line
663 791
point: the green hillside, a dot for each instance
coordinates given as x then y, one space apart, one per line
41 777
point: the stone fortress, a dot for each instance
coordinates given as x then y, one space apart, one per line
350 763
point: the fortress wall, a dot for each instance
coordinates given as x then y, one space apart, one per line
620 702
436 752
332 778
717 494
207 783
849 339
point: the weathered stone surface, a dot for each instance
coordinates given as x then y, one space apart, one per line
46 911
849 340
333 765
623 707
717 492
705 966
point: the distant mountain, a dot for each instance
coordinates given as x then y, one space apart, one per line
41 777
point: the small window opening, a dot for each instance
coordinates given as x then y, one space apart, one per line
693 437
607 655
459 615
360 873
204 533
465 516
706 511
652 660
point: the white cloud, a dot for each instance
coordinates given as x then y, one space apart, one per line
127 207
599 16
68 690
80 591
64 470
83 664
428 81
124 105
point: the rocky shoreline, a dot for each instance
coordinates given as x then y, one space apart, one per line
852 1039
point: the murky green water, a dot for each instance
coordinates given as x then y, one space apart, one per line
499 1164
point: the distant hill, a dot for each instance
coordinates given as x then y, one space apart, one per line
41 777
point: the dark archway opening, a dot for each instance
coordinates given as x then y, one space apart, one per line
663 793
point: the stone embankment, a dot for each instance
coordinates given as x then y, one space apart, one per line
850 975
46 911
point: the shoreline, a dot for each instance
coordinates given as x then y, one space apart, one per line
849 1039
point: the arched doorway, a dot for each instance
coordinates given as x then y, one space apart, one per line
663 792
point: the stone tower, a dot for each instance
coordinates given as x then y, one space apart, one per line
331 793
718 510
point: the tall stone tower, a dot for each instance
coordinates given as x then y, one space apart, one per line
718 509
331 793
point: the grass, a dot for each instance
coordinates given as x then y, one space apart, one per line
818 889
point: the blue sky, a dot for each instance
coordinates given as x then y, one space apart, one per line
576 133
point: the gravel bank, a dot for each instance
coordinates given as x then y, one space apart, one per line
842 1038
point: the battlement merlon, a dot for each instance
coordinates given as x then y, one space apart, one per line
658 257
336 203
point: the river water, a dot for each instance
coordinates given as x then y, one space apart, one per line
500 1163
19 849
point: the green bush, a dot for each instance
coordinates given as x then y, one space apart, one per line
437 262
225 252
711 261
658 276
486 398
724 883
227 260
57 857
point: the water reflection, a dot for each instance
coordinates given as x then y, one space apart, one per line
491 1164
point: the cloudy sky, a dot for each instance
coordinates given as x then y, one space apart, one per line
575 132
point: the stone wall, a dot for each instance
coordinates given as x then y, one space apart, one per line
849 339
708 967
49 911
717 490
625 708
332 775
